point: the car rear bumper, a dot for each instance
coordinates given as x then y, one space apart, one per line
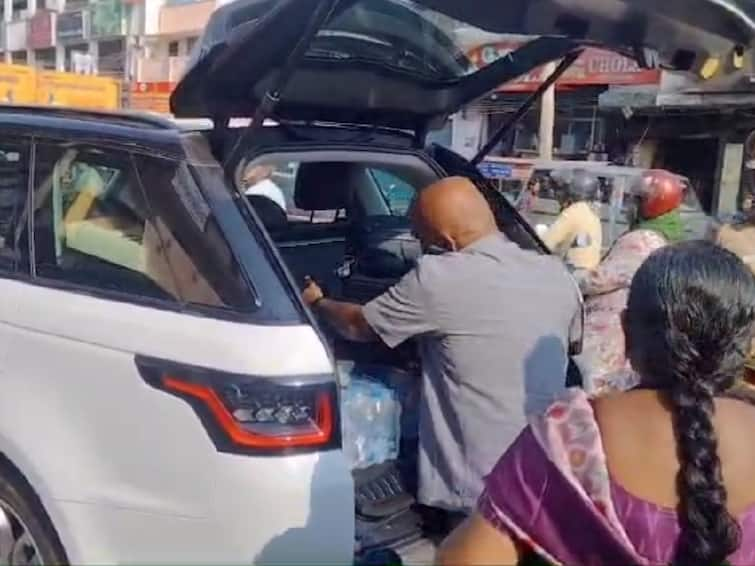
299 510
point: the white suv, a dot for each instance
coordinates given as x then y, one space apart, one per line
165 395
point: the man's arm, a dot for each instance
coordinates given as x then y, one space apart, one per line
395 316
347 318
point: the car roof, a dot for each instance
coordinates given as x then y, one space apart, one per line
144 130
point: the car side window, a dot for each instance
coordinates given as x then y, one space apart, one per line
274 187
398 194
90 222
95 226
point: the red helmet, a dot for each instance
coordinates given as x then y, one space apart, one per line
660 193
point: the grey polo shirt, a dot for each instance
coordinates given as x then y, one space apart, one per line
493 323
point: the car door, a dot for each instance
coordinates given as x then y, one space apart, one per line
15 159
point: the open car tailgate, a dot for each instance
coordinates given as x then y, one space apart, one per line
398 64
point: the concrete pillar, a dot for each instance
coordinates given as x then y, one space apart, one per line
60 58
131 65
94 53
31 56
8 17
31 8
728 178
547 117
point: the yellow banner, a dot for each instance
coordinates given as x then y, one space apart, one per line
20 84
77 91
17 84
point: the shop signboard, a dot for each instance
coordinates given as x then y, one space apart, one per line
151 97
107 19
77 91
41 30
593 67
21 84
71 26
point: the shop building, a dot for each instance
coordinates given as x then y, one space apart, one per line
703 130
579 129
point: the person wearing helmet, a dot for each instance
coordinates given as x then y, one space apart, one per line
655 222
577 234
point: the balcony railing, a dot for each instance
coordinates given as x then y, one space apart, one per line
168 69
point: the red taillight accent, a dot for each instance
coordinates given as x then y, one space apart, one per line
324 419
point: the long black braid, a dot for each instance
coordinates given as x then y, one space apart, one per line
689 325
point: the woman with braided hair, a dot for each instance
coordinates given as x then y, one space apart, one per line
661 474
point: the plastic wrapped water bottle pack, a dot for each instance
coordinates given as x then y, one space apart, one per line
371 421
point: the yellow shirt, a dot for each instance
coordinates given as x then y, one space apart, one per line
577 235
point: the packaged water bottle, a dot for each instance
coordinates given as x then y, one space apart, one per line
371 422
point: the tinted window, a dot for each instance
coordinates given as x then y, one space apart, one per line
401 35
114 221
398 193
289 195
276 183
14 179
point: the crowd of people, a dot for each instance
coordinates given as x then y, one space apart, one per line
647 462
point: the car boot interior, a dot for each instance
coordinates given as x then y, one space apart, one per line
346 225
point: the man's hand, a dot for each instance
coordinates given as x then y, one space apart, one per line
312 292
346 318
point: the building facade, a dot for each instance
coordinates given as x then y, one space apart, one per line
138 41
701 128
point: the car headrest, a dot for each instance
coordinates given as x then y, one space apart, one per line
272 216
322 186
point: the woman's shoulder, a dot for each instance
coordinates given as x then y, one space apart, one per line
645 240
641 423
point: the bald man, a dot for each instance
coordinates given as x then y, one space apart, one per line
492 321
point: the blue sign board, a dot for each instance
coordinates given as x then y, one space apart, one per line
495 170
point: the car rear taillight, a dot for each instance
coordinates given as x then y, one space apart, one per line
253 414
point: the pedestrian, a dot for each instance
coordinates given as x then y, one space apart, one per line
478 305
577 234
529 196
659 475
654 222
